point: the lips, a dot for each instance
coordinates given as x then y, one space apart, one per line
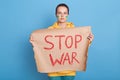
62 18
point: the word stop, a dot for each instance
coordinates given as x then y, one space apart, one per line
73 41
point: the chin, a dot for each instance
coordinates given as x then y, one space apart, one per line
62 21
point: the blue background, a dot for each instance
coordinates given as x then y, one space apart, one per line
18 18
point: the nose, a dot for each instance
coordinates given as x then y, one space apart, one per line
62 15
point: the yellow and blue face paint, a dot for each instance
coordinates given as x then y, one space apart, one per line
60 17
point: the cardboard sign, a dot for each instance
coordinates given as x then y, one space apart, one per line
61 49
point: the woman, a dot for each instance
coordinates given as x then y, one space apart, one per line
62 12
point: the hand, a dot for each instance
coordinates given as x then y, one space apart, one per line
90 37
31 39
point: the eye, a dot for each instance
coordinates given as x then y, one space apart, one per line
65 13
58 12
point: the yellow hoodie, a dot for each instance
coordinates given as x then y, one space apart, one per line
66 72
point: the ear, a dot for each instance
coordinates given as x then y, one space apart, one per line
57 16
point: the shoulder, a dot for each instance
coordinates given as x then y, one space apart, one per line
53 26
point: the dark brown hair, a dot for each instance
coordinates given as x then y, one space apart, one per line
62 4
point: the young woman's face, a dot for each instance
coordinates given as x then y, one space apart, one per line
62 14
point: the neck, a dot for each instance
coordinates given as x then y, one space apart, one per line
62 25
